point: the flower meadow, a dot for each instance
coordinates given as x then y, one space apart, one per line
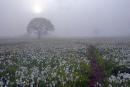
65 63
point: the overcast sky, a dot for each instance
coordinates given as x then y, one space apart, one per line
70 17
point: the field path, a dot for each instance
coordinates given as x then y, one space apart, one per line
97 75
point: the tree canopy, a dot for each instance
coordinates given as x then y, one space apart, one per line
40 26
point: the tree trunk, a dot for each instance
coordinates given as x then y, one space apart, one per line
39 35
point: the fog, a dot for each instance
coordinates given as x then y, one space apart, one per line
90 18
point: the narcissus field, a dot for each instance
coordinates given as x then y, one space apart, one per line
65 63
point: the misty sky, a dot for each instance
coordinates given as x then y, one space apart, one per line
70 17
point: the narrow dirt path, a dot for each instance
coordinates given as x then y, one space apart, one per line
96 76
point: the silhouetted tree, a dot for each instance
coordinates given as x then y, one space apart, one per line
40 26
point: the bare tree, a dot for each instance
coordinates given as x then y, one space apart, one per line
40 26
